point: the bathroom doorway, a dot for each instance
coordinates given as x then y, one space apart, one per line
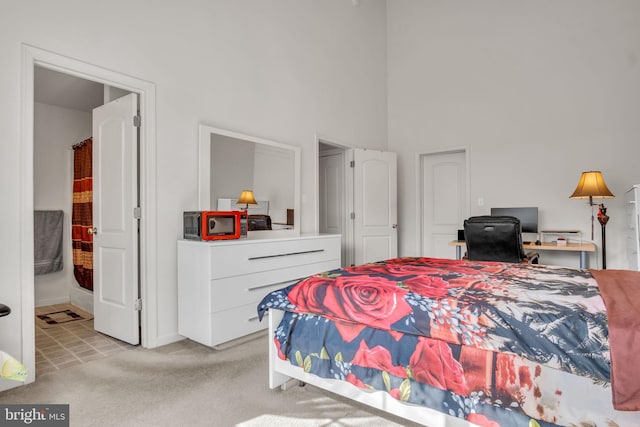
34 57
64 309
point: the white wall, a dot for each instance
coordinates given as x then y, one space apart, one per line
539 91
56 129
281 70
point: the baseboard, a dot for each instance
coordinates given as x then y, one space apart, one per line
82 298
51 301
166 339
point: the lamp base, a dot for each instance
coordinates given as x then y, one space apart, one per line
603 218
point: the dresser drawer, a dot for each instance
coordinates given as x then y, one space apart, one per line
251 288
230 324
257 256
221 283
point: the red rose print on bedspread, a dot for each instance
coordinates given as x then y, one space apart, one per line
379 358
398 267
281 355
355 381
368 269
481 420
428 286
435 262
395 393
356 302
393 270
432 363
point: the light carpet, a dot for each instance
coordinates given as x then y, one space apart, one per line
187 384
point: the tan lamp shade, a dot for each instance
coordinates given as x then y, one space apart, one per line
246 198
591 185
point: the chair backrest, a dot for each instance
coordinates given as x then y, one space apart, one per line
259 222
494 238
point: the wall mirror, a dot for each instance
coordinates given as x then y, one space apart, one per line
231 162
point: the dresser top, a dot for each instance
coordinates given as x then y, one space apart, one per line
250 241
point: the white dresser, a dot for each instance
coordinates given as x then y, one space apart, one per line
633 227
220 283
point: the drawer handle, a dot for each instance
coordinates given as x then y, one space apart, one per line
289 254
254 318
255 288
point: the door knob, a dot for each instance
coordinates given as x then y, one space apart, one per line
92 230
394 226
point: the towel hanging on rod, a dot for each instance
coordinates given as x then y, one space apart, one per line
47 244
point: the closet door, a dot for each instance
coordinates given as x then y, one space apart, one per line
443 201
115 240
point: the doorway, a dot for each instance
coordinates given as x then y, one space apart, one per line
34 57
357 198
67 324
62 119
332 203
443 200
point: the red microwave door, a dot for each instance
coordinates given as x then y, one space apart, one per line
220 225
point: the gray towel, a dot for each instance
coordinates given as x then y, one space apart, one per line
47 241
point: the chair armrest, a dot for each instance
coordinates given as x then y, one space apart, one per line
4 310
531 257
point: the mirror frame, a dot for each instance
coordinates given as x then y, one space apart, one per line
204 176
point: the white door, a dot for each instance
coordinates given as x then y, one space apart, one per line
375 205
331 195
115 242
444 204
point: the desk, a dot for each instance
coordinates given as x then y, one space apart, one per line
583 248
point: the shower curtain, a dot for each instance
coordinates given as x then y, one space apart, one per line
82 214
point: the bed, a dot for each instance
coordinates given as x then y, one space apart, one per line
459 343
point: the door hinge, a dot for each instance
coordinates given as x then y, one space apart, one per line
137 212
353 215
137 120
352 163
137 306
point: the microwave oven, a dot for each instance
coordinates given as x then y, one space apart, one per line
214 225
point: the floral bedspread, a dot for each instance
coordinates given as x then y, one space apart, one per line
495 343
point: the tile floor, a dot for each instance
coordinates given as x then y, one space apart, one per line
70 344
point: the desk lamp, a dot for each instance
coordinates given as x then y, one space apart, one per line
592 185
247 199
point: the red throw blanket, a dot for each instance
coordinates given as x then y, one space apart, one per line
620 290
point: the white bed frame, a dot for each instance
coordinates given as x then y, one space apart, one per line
281 372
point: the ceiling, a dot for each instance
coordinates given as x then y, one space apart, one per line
63 90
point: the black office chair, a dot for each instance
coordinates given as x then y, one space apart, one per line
496 238
259 222
4 310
